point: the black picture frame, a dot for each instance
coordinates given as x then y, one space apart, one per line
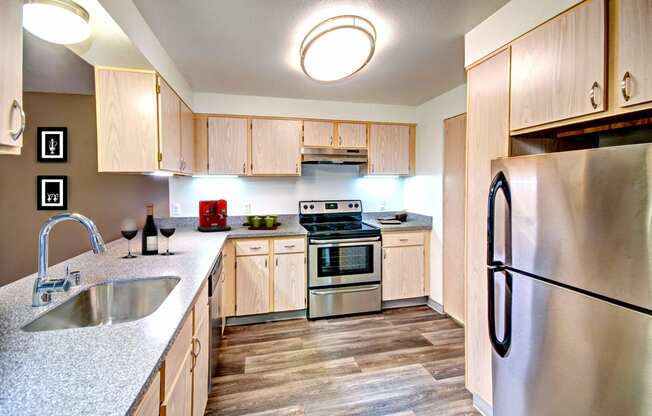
52 144
51 193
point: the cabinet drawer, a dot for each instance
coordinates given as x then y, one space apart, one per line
201 305
293 245
403 239
251 247
177 354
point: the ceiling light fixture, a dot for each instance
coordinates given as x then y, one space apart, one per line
57 21
338 48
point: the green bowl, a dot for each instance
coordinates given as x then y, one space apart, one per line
256 221
270 220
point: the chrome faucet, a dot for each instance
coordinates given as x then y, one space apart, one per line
43 287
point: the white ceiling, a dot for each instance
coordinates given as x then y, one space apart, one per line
251 47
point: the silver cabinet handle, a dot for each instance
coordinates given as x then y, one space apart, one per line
623 86
340 140
15 135
276 261
384 254
592 94
331 140
255 247
195 356
403 239
265 262
289 246
244 167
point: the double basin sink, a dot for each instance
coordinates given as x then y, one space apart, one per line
107 304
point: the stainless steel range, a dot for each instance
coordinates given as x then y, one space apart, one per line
343 259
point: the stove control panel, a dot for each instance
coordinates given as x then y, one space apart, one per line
330 207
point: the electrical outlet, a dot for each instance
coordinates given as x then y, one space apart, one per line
383 204
176 209
247 208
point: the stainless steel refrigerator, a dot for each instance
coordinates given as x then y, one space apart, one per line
569 259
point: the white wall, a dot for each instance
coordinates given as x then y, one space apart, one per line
509 22
291 107
281 195
423 192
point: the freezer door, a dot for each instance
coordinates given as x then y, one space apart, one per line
584 218
569 354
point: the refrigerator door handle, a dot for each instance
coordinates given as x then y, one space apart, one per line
498 183
501 347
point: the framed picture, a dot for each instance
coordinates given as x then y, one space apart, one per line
52 193
52 144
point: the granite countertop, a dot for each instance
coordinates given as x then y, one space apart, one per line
102 370
414 221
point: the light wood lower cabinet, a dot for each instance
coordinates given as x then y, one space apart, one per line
252 285
150 403
200 351
289 282
270 275
404 264
179 397
11 75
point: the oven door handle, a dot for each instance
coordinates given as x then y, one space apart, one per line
324 292
346 240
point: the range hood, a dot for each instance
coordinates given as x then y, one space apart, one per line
333 156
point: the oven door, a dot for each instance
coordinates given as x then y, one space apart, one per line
343 261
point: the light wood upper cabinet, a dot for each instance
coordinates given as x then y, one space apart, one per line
634 52
318 133
187 140
252 285
227 146
403 272
351 135
127 120
487 138
558 69
289 282
169 127
275 147
11 76
389 149
201 349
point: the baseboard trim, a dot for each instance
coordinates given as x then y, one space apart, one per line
482 406
435 306
266 317
403 303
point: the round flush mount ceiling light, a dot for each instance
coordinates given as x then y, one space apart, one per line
57 21
338 48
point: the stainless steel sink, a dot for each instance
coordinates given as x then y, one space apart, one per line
107 304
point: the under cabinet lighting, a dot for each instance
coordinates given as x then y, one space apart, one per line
216 176
381 176
162 173
58 21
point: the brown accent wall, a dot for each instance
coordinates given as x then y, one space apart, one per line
106 198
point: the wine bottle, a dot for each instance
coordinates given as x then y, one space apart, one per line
150 233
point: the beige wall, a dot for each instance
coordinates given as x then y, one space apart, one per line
105 198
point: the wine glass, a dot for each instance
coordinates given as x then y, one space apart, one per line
129 230
167 232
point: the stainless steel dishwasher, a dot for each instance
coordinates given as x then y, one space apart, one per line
218 320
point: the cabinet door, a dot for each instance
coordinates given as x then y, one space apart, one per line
151 401
201 350
252 285
187 140
275 147
555 66
487 138
179 399
403 272
289 282
11 73
389 149
351 135
318 134
169 127
634 52
127 129
227 146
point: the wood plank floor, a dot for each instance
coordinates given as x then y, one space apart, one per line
407 362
